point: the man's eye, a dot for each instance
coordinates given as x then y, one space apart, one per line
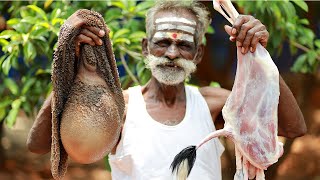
185 46
162 44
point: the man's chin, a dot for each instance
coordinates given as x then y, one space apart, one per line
170 83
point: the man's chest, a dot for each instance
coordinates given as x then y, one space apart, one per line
168 115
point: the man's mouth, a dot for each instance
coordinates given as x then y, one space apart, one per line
171 65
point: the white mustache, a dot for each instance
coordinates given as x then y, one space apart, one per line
170 76
187 65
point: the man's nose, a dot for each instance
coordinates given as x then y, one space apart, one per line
172 52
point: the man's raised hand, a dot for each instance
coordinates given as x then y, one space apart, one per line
248 32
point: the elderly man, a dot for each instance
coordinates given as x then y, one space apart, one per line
165 115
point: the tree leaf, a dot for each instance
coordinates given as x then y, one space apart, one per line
112 14
27 85
6 34
214 84
118 4
299 63
120 33
304 21
312 58
317 43
303 5
47 3
121 40
29 51
55 13
2 113
13 21
144 5
3 42
6 65
5 102
12 86
38 10
12 116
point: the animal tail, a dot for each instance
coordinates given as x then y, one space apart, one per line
183 162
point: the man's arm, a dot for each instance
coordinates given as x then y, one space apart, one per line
290 119
39 138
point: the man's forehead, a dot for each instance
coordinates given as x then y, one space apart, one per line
173 26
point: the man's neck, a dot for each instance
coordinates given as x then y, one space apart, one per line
168 94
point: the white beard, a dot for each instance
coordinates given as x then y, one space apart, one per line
170 75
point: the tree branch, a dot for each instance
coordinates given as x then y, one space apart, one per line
300 46
126 67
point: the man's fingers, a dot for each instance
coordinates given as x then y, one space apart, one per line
253 33
228 29
91 35
233 39
84 39
241 19
242 34
95 30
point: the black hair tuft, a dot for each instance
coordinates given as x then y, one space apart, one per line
189 153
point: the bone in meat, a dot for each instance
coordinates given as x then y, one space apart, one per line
87 104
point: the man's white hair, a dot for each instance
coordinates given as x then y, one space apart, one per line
198 9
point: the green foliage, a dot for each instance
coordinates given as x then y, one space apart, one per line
284 23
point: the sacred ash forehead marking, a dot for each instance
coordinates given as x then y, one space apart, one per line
173 35
184 28
175 19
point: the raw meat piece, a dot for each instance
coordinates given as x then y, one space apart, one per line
250 113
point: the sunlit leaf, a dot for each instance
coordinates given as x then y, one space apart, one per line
27 85
55 13
121 40
214 84
39 11
2 113
5 102
317 43
304 21
12 116
118 4
144 5
299 63
303 5
47 3
6 34
120 33
3 42
29 51
112 14
6 65
312 57
12 86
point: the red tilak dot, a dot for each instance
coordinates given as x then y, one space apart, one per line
174 35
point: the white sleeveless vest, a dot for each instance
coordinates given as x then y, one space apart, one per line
147 147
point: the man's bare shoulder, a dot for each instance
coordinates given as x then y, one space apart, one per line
214 92
216 98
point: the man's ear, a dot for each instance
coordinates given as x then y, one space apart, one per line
144 44
199 54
